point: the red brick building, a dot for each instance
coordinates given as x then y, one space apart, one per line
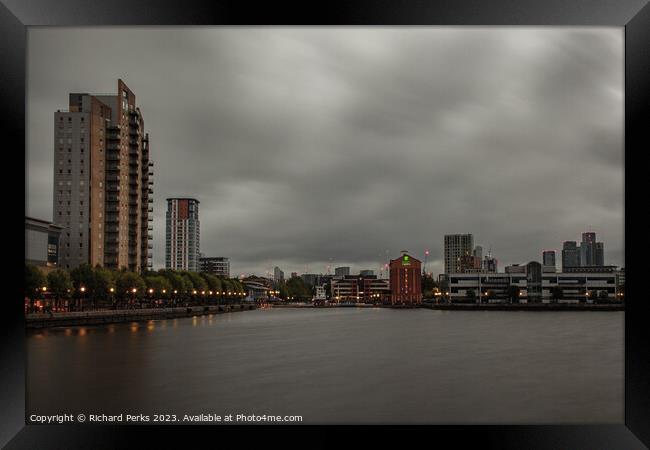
405 280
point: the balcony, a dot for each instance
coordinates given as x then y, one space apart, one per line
150 218
150 209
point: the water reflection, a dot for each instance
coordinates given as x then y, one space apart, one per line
341 366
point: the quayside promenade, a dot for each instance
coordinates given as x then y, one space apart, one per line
99 317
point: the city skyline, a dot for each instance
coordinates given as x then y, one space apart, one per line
310 148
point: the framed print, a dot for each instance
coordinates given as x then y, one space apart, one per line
288 218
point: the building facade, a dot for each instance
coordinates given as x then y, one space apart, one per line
360 289
570 255
342 271
278 275
215 265
405 280
591 251
456 246
42 242
182 240
103 182
548 258
535 285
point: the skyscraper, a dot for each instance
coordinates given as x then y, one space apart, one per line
548 258
182 241
103 181
591 252
570 255
455 246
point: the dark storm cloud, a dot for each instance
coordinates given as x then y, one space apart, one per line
310 147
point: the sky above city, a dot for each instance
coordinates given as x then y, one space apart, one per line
317 147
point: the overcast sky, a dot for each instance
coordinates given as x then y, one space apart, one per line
310 147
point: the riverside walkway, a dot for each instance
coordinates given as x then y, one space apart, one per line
98 317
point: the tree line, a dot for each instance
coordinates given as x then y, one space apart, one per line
101 287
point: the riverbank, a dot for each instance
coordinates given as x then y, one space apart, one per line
68 319
474 306
524 307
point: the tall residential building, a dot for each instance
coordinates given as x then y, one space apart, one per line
342 271
478 252
215 265
103 182
278 275
182 240
548 258
570 255
456 246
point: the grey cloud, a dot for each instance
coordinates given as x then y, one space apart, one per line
310 147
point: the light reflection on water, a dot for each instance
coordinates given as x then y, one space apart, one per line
350 365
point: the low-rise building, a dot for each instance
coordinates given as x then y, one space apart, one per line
360 288
534 284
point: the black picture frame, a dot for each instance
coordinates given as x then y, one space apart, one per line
634 15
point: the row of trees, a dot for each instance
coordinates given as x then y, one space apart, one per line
98 286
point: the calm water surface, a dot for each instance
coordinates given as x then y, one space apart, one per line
340 365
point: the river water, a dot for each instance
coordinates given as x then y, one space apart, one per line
340 365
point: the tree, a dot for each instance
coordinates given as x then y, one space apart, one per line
126 281
513 293
103 282
60 285
428 285
490 294
557 293
160 285
470 295
298 289
603 296
34 282
198 283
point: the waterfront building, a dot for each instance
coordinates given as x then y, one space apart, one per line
515 268
182 238
360 289
42 242
405 280
570 255
215 265
533 284
320 293
342 271
103 182
456 246
278 275
366 272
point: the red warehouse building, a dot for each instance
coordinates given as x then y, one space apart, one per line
405 280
